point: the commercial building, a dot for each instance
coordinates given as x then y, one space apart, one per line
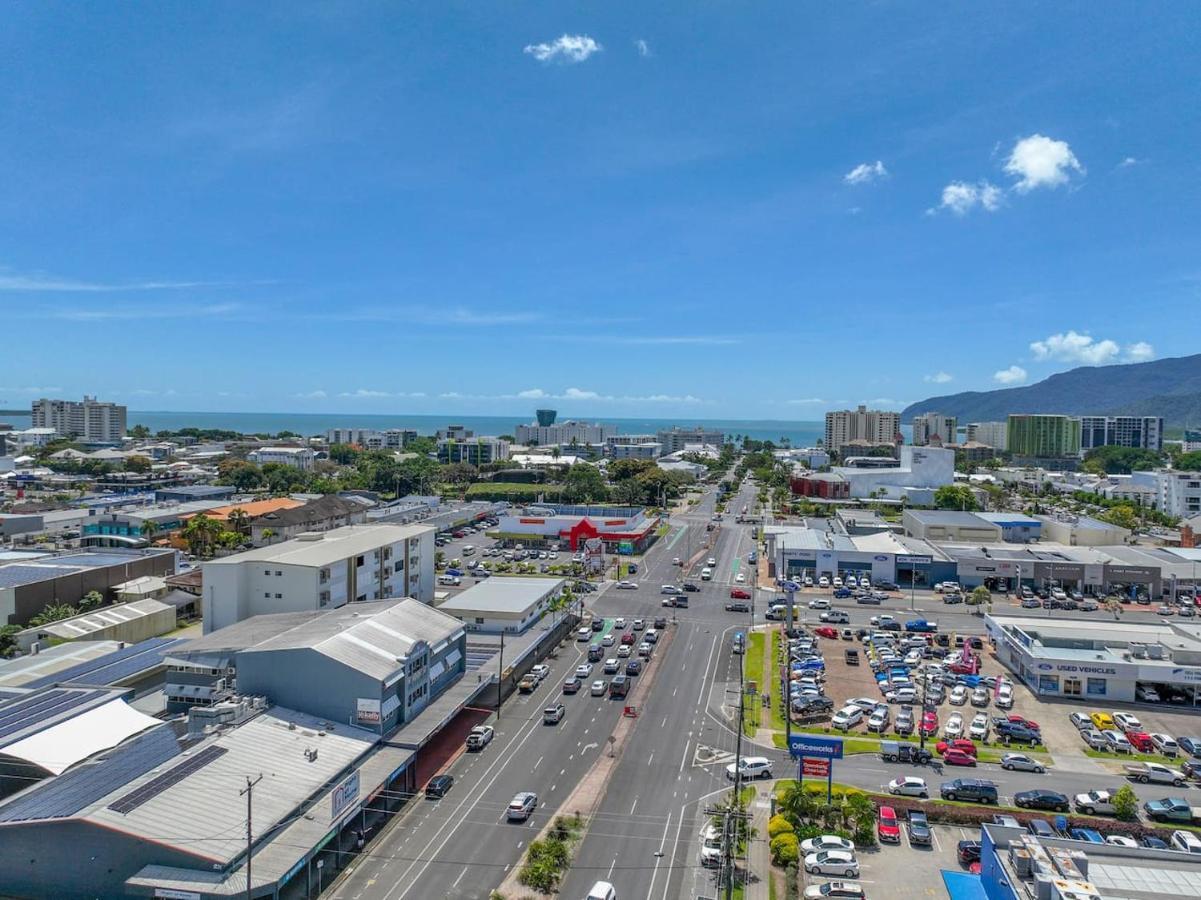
1098 659
286 522
914 477
873 426
811 457
1043 436
299 457
90 421
949 525
372 438
935 428
1016 528
635 450
1094 571
822 485
131 622
623 529
674 440
559 433
191 492
1082 531
994 434
972 451
27 588
134 526
1177 494
794 552
504 604
320 570
1143 432
477 451
1192 441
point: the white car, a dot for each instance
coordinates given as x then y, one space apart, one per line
752 767
619 622
954 726
978 730
835 890
711 562
598 688
867 704
1120 840
807 581
826 842
909 786
540 671
832 862
837 581
1116 741
1127 722
819 603
882 620
627 586
1004 697
958 695
1020 762
1165 743
624 651
847 717
878 721
740 578
823 582
583 670
608 640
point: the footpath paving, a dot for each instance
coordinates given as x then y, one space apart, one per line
758 862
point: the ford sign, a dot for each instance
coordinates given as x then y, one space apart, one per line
880 557
1045 667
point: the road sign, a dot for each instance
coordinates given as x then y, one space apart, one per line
819 747
816 767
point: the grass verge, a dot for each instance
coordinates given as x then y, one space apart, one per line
752 662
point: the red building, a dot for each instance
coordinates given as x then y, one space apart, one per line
825 485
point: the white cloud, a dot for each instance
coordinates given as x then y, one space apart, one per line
939 378
806 401
644 49
574 393
1039 161
1075 347
136 313
567 48
866 173
960 197
1129 161
37 391
1012 375
42 282
312 395
1140 351
371 394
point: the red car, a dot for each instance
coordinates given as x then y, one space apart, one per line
628 638
888 829
826 631
1141 741
740 594
955 757
1022 720
966 667
929 723
961 744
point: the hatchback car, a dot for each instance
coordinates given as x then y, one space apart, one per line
887 828
521 806
919 828
553 714
437 786
909 786
954 757
598 688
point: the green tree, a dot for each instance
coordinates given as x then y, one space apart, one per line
980 596
243 475
90 600
343 454
1123 516
621 469
785 850
1125 803
149 529
956 496
200 534
779 824
8 639
584 484
628 492
55 612
137 464
239 521
1189 462
139 432
268 534
1112 460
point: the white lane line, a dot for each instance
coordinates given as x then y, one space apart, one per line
612 866
659 855
537 764
650 759
684 755
633 805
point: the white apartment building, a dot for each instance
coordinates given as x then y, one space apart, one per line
995 434
676 439
564 433
477 451
915 476
1144 432
1177 493
300 457
89 421
649 450
930 425
862 424
321 570
371 438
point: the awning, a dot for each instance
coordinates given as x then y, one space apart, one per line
61 746
437 670
453 657
963 885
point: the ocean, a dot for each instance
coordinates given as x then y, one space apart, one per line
799 434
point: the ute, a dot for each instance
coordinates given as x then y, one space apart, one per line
1146 773
1172 809
921 626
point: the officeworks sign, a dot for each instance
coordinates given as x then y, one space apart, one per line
816 747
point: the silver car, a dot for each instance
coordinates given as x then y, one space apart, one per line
1020 762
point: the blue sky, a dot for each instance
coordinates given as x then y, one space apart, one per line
710 209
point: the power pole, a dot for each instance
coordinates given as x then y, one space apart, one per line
248 791
729 840
500 671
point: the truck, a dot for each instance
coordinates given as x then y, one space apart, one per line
1149 772
1172 809
1096 802
901 751
921 626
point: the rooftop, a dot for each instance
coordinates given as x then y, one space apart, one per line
502 594
326 547
948 517
100 619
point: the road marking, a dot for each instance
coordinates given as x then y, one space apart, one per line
684 757
650 759
659 855
537 764
633 805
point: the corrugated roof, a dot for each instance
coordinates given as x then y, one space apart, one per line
114 666
502 594
106 617
332 546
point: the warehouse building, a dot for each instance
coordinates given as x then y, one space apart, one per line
131 622
1094 571
623 529
1101 660
504 604
954 525
1082 531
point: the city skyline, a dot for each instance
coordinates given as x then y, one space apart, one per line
679 208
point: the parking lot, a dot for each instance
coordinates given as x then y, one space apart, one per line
905 871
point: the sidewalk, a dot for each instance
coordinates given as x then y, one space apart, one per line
758 859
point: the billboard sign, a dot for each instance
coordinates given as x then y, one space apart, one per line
344 795
816 767
368 710
811 745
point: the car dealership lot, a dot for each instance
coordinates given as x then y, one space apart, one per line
903 871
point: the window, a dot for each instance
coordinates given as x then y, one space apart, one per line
1071 687
278 573
358 561
1096 687
279 596
267 572
267 594
324 598
1048 684
479 620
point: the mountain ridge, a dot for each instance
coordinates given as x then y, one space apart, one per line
1164 387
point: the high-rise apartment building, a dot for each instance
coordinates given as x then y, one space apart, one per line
1044 436
371 438
871 425
930 425
675 439
564 433
1144 432
995 434
90 421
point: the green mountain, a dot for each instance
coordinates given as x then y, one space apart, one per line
1165 387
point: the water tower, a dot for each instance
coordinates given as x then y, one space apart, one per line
546 416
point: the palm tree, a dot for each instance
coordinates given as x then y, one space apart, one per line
268 534
148 530
200 533
238 520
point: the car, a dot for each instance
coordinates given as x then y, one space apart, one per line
1052 801
971 790
1020 762
521 806
624 651
955 757
1030 603
1117 742
1120 840
826 631
919 827
436 787
929 725
1153 843
634 667
978 730
598 624
961 744
583 670
627 586
611 666
598 688
967 852
1094 739
959 695
1166 610
619 623
837 581
553 714
670 589
826 842
1023 722
1141 741
1190 745
690 587
954 726
711 562
638 625
1127 722
1093 802
980 697
1185 842
1088 835
751 767
480 737
602 890
909 786
740 594
835 890
740 578
608 640
584 634
572 685
819 603
628 638
887 828
1102 721
1080 721
832 862
823 582
1146 694
878 720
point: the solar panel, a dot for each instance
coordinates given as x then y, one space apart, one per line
83 785
113 666
158 784
40 707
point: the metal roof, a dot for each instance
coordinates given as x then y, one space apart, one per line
42 709
116 665
79 730
948 517
327 548
103 618
42 668
502 594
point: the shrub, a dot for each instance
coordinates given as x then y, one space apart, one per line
1125 803
785 850
779 825
791 888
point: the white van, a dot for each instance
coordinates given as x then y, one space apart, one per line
706 574
602 890
468 550
452 580
711 846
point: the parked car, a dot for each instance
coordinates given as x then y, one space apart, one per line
887 829
480 737
967 852
1096 802
437 787
832 862
1042 799
970 789
1020 762
919 828
835 890
827 842
909 786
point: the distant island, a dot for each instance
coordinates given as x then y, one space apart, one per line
15 412
1165 387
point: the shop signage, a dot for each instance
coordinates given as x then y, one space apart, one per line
808 745
911 560
816 767
171 894
368 710
880 557
532 521
344 795
1193 676
1082 670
